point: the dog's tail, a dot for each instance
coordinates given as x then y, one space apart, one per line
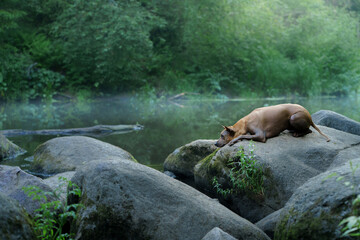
317 129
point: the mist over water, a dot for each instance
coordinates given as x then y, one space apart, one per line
167 125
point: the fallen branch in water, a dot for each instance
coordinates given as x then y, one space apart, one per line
182 94
98 130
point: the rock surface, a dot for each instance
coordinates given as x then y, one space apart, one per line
65 154
126 200
335 120
14 221
13 179
58 185
268 223
183 160
218 234
287 162
9 149
316 208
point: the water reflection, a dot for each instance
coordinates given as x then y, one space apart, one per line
167 125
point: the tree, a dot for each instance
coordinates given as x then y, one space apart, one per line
106 43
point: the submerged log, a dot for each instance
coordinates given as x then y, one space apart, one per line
96 131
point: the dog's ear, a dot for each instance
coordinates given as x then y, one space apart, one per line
230 130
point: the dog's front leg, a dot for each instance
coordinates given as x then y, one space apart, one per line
259 136
235 140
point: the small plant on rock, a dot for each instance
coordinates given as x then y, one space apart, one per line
245 174
52 216
351 224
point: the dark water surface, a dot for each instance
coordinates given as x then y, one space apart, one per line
168 125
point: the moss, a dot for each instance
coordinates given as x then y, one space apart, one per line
132 157
112 225
204 164
295 225
183 160
206 161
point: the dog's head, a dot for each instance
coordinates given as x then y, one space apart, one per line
226 136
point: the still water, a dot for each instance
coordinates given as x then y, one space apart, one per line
167 125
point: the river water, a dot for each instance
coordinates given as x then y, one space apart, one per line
167 124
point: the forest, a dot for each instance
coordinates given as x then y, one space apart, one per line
215 47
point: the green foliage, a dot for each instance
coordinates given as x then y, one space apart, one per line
311 47
245 174
10 16
52 216
44 83
219 188
351 224
299 52
19 78
106 43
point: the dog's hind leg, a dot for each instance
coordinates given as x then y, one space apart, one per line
300 124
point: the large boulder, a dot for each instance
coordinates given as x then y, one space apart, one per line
127 200
65 154
9 149
317 207
15 223
287 163
183 159
335 120
12 181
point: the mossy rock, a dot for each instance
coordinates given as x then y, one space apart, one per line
287 163
127 200
12 182
183 160
316 208
208 168
9 149
244 203
15 223
65 154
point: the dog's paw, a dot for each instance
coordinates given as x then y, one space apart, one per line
232 143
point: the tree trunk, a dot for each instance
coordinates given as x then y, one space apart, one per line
96 131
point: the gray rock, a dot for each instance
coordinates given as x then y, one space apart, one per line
183 160
335 120
13 179
345 155
218 234
65 154
59 186
287 162
268 223
14 221
127 200
9 149
170 174
317 207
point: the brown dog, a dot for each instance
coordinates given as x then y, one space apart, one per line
268 122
